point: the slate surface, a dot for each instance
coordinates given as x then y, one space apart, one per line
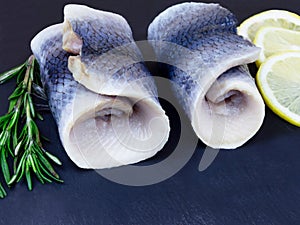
256 184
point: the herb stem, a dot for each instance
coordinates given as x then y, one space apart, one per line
23 136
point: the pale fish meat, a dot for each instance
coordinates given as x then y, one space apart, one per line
208 66
101 95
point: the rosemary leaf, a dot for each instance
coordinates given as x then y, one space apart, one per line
11 73
49 174
17 148
21 172
2 191
40 117
28 176
4 166
53 158
39 92
30 103
46 163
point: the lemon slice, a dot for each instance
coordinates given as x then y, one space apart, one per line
278 80
271 18
273 40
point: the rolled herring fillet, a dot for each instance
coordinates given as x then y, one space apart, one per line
101 95
207 64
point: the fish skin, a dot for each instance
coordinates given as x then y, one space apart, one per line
205 36
186 25
104 38
56 76
108 50
58 81
215 54
212 52
76 107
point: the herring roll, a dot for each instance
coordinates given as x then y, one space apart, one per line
101 95
207 61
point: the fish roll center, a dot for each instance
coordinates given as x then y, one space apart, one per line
107 113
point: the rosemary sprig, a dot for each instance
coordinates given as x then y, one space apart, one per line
19 134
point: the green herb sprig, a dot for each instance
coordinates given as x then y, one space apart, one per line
20 137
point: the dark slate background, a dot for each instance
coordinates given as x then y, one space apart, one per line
256 184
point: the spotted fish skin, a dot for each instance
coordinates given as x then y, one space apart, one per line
57 80
192 22
99 37
109 49
199 41
101 95
204 29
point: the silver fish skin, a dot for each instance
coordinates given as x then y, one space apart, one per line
207 63
101 95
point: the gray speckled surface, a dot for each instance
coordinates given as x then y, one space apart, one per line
256 184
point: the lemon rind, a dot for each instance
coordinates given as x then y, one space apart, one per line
271 101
